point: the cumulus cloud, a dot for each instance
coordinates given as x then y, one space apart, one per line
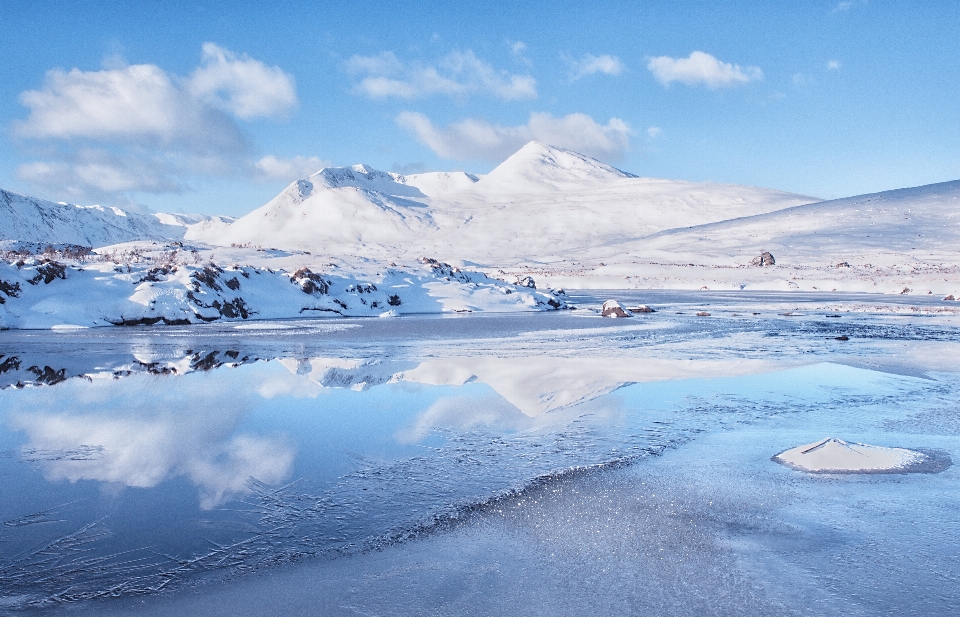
474 139
273 168
833 65
654 131
590 65
139 103
458 75
240 85
701 68
138 128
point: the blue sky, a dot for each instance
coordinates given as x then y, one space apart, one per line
214 107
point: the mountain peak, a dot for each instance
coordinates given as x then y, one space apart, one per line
359 176
538 166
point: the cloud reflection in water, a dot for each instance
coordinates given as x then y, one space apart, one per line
150 431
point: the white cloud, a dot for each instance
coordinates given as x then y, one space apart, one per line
701 68
846 5
517 48
833 65
287 170
654 131
457 75
97 173
590 64
138 128
245 87
139 103
474 139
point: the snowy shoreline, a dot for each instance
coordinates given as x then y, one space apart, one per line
38 293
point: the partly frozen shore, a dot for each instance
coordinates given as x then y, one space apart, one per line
46 293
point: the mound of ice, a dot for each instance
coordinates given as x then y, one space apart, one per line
832 455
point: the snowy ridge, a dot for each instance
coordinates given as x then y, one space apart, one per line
37 221
50 294
540 202
27 219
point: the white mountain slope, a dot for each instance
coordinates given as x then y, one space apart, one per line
900 241
541 204
37 221
921 223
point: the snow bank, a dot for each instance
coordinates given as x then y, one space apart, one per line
44 294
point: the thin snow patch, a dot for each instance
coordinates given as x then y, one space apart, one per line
390 313
68 326
832 455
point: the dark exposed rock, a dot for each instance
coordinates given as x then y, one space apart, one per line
643 308
612 308
155 274
11 289
48 376
232 309
764 259
310 282
233 284
842 264
208 276
48 271
703 314
526 281
394 300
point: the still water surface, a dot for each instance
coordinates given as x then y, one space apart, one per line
174 469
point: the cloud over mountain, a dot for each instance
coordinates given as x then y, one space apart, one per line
138 128
476 139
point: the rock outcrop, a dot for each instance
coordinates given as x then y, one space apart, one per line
765 259
612 308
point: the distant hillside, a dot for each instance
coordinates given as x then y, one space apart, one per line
30 220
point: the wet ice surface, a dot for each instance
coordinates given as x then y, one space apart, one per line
543 464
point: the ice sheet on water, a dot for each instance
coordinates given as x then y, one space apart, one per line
440 463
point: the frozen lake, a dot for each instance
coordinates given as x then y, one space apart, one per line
531 464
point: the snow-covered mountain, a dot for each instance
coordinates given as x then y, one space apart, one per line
542 202
920 223
562 218
37 221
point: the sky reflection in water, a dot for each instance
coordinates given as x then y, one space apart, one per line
129 485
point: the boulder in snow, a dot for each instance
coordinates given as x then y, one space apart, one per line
612 308
765 259
643 308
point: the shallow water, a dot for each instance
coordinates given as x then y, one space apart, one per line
533 464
